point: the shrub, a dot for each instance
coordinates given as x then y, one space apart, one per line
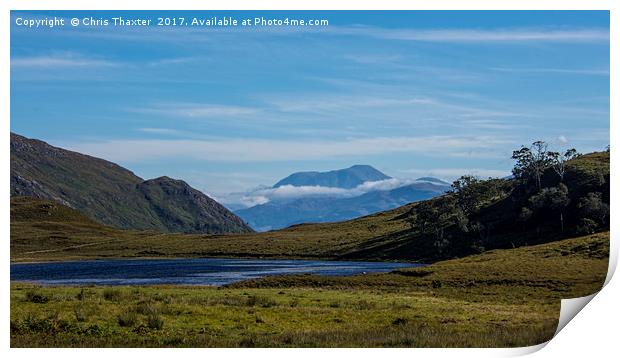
50 324
141 329
155 322
593 207
399 321
586 226
81 295
261 301
80 315
94 330
294 302
127 319
112 295
247 342
36 297
145 308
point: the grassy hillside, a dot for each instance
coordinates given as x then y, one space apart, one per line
397 234
502 298
113 195
55 234
567 268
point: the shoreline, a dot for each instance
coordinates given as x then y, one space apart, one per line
246 257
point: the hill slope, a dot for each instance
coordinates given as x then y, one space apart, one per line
113 195
397 234
343 178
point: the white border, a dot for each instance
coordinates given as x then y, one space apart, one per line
593 330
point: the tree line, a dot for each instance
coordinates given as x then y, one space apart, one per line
546 198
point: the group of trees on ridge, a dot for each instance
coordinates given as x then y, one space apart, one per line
551 195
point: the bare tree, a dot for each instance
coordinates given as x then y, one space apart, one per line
541 160
531 162
559 161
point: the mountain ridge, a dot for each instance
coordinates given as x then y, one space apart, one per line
347 178
113 195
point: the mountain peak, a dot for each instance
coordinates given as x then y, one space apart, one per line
342 178
362 166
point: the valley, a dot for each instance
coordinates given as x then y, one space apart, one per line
502 253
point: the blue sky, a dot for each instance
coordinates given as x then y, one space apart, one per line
411 93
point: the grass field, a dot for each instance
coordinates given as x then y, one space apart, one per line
46 231
501 298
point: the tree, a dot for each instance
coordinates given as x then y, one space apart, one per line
559 161
551 201
467 196
593 207
523 166
541 160
425 216
446 207
531 162
586 226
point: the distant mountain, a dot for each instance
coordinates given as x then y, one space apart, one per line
113 195
344 178
279 214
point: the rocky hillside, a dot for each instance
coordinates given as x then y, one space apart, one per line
113 195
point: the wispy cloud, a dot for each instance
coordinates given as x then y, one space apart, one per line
166 131
562 140
196 110
65 60
478 35
396 107
327 103
290 192
569 71
262 150
171 61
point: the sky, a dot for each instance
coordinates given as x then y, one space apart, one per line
412 93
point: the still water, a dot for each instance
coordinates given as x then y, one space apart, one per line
202 271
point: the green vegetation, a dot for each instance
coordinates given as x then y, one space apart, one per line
479 215
495 299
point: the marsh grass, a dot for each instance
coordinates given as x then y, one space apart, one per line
127 319
112 294
155 322
146 308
